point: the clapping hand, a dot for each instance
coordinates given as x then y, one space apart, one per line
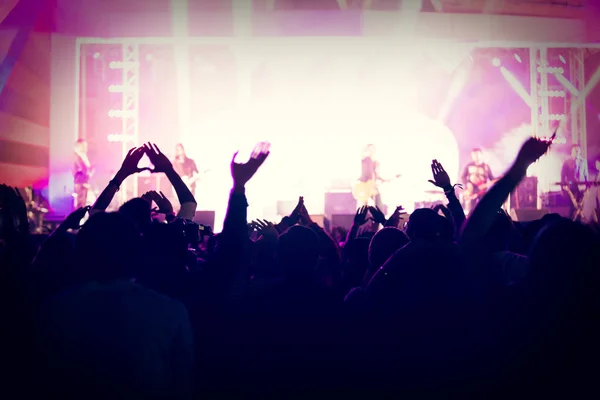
441 178
160 162
304 215
295 215
243 172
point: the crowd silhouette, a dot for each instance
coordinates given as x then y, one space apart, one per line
143 303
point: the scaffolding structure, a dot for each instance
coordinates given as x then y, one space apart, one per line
130 114
252 48
544 116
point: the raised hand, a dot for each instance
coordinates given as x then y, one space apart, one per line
73 221
160 162
132 159
397 216
532 150
295 215
440 176
243 172
146 196
361 216
163 203
304 216
378 215
266 229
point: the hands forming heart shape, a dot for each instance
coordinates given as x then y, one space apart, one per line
160 162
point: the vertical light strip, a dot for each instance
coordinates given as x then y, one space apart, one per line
180 30
533 90
242 28
544 90
77 83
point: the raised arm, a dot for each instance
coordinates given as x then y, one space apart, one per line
163 164
484 214
129 167
441 179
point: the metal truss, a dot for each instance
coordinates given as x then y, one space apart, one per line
349 41
130 110
577 103
543 114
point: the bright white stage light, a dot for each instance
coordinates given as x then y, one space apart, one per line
518 58
96 55
115 88
307 155
496 62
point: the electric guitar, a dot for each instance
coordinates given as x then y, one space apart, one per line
191 180
364 191
471 194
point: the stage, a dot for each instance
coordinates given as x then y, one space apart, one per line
319 99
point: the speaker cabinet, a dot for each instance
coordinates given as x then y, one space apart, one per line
342 220
525 195
206 218
339 203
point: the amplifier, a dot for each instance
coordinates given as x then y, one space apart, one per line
525 195
339 203
555 199
342 220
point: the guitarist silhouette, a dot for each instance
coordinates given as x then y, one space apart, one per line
478 179
186 168
366 189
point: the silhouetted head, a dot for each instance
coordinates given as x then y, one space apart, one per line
108 247
564 258
425 224
418 279
476 155
179 151
298 252
575 151
138 210
81 146
165 248
385 243
497 237
339 234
